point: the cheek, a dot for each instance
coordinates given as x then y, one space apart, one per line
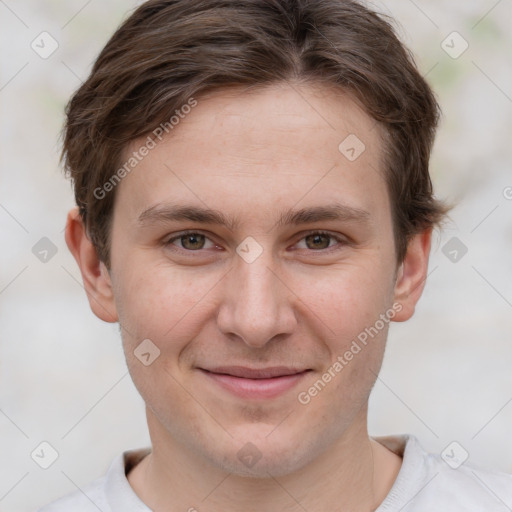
159 300
169 307
346 308
164 306
346 299
344 383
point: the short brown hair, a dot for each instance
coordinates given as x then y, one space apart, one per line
169 51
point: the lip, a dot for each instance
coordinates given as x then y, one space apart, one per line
255 383
256 373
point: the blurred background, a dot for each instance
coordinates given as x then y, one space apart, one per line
447 374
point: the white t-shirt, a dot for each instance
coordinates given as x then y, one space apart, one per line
425 483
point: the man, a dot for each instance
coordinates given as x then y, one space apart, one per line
254 208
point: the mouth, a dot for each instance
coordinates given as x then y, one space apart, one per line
255 383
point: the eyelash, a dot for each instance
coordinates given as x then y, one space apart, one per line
340 241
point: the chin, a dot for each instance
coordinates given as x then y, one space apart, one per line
273 465
265 458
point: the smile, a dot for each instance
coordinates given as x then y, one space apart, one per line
255 383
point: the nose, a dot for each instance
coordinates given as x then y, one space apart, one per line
257 306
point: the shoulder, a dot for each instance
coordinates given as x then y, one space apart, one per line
109 493
470 487
427 481
90 498
473 485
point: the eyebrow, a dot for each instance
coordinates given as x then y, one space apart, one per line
161 213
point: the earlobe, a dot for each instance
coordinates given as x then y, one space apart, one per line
412 274
96 279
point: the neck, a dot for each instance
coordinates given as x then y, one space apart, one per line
355 473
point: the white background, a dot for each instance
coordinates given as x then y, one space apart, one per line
447 374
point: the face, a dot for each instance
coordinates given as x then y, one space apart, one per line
257 256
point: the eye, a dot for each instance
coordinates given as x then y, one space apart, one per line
320 240
191 241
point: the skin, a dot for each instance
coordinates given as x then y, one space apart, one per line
254 155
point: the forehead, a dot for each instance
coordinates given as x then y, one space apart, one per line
269 115
256 148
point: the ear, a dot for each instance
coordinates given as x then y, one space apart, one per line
412 274
96 278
